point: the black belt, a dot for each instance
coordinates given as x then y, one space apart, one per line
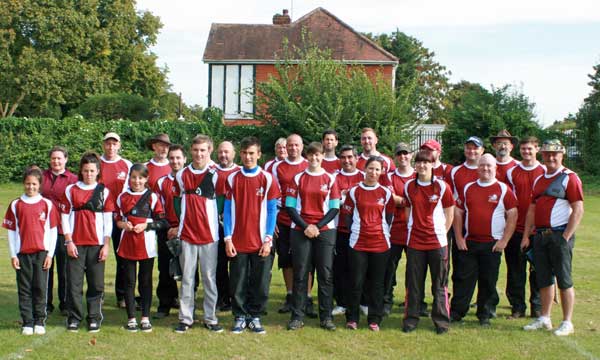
550 230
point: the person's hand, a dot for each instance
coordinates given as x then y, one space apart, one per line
47 263
265 249
103 253
230 249
500 245
172 232
311 231
524 243
139 228
72 250
15 263
276 233
461 243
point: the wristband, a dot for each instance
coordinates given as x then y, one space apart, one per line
227 239
67 242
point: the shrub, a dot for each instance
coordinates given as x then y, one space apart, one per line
116 106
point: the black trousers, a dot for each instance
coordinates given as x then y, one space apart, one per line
308 254
249 281
478 265
145 285
372 266
224 297
341 270
32 285
166 290
120 270
85 266
417 262
60 262
390 273
516 276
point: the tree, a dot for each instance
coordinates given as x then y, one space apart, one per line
311 92
419 74
588 124
54 54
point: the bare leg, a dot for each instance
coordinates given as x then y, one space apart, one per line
567 300
547 296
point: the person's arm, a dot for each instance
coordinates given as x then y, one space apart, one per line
290 207
271 217
509 229
529 226
457 224
574 219
334 209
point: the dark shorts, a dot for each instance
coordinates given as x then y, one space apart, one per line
283 247
552 256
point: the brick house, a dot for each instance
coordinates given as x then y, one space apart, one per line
241 55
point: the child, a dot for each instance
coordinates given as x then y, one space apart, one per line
140 215
31 221
87 225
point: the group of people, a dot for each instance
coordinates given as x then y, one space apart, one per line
337 215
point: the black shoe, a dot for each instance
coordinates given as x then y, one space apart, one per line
94 327
131 326
182 328
408 329
145 326
328 324
441 330
160 315
309 309
295 325
72 327
485 322
287 305
216 328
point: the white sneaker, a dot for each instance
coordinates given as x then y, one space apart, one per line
364 309
565 329
39 330
27 330
338 310
539 323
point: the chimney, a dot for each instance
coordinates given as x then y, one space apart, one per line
282 19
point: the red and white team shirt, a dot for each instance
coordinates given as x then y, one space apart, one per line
331 165
88 228
368 206
399 231
269 165
168 190
520 179
249 193
485 206
551 211
442 172
313 191
156 170
199 223
283 173
137 246
426 219
502 169
388 163
460 176
223 174
345 181
114 174
32 225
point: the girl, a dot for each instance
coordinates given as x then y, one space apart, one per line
369 209
31 221
140 215
87 225
430 213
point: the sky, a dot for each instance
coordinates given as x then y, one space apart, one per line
545 49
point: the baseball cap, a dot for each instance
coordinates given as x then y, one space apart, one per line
112 135
475 140
431 144
401 147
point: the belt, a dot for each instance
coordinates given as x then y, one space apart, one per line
550 230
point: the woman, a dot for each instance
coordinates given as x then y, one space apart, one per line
313 201
430 212
369 209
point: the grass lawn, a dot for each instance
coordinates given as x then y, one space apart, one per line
504 340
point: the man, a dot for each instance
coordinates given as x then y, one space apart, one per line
488 209
465 173
225 167
158 166
280 154
503 143
114 174
368 140
54 182
249 216
440 169
520 179
330 163
198 231
170 196
556 210
345 179
284 172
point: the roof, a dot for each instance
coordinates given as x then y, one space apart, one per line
262 43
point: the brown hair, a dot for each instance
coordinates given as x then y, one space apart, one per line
34 171
89 158
314 147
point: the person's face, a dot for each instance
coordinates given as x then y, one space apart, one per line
31 185
281 151
314 160
58 161
161 150
225 154
111 148
529 151
473 152
486 169
552 160
373 171
176 160
294 147
200 154
368 140
423 168
503 147
329 142
137 182
403 159
348 160
89 173
250 156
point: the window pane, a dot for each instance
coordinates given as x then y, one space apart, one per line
247 85
216 86
232 89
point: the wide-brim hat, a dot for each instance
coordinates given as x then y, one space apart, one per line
163 138
553 145
504 134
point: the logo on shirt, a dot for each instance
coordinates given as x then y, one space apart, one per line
380 201
122 175
43 216
324 188
260 192
8 222
434 198
493 198
173 189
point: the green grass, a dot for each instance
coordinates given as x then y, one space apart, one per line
504 340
